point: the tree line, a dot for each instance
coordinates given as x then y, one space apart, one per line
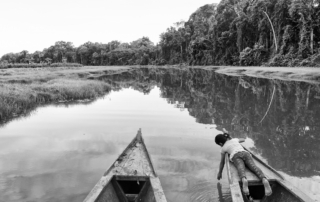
247 32
139 52
233 32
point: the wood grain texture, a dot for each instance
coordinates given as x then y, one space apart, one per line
132 163
235 189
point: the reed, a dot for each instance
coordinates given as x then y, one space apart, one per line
17 99
37 65
22 90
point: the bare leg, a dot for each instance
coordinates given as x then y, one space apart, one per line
252 166
245 186
267 188
239 163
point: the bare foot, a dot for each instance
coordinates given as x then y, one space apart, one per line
245 186
267 188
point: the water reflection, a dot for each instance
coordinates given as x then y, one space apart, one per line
287 136
221 198
60 152
28 113
281 117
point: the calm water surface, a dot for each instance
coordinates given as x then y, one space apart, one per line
59 152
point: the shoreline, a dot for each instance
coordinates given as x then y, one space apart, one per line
29 75
301 74
24 89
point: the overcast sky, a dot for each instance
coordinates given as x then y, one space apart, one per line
37 24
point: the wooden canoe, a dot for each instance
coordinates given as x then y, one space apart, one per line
131 178
282 190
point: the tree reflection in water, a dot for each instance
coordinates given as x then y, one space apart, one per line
288 137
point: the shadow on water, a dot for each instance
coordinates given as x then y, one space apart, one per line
281 117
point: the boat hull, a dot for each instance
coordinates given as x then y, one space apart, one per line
131 178
282 189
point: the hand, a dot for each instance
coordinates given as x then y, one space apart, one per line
224 130
219 176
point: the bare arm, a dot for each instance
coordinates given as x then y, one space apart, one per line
221 167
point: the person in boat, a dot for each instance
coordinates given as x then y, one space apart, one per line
240 158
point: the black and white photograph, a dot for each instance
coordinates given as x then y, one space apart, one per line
160 101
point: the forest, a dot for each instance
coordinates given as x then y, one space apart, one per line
233 32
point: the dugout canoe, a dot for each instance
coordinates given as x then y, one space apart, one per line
282 190
131 178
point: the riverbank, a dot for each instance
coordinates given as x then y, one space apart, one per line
304 74
23 89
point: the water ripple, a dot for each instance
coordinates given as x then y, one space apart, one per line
206 191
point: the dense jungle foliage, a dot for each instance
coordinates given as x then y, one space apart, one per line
233 32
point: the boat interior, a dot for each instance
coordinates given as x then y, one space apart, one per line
279 193
127 189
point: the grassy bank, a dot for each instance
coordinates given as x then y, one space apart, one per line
37 65
22 90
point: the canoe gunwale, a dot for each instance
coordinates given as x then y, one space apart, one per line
138 138
280 180
149 177
147 153
236 193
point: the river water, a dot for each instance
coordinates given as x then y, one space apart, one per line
60 151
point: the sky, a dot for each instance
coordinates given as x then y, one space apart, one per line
37 24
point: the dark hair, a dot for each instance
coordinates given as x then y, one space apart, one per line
222 138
